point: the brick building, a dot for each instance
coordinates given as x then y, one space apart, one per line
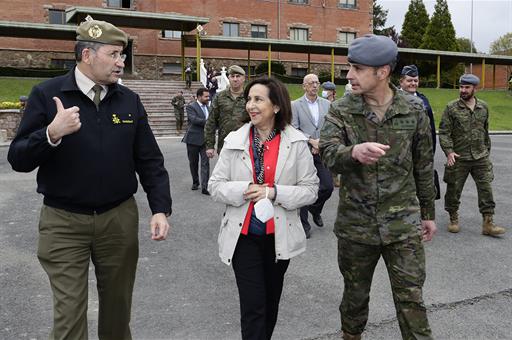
155 54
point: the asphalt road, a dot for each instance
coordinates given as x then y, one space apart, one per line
183 291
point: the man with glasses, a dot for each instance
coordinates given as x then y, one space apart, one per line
308 116
90 137
227 110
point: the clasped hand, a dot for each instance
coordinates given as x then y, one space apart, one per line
256 192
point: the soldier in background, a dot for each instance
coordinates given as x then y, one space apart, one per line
227 110
464 138
329 91
178 102
378 139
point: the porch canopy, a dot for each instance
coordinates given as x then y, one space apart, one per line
136 19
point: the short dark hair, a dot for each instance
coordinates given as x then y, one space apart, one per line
200 91
80 46
278 95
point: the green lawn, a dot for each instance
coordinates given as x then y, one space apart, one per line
12 88
500 101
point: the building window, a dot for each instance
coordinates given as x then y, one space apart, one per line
347 3
172 68
66 64
119 3
299 34
302 2
299 71
258 31
346 37
171 34
56 16
230 29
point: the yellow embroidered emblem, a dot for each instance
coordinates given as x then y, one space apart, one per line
115 119
95 32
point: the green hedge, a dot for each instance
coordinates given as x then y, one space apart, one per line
31 72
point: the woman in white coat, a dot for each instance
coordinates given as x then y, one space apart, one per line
265 172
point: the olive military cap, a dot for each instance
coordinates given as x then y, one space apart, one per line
233 69
469 79
373 50
409 70
329 86
101 32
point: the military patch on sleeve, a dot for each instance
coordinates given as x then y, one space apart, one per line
406 123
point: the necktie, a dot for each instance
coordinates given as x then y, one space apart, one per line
97 93
205 110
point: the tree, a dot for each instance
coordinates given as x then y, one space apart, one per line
440 34
380 16
502 45
415 24
464 45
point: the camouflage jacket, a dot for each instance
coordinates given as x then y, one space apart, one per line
226 115
464 131
178 102
378 203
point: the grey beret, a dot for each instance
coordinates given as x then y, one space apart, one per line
101 32
469 79
233 69
409 70
373 50
329 86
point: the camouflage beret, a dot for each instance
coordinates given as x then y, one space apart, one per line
469 79
329 86
373 50
233 69
410 70
101 32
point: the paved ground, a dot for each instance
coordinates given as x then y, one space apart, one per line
183 291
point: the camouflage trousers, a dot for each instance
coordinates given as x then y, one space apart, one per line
179 118
455 177
405 262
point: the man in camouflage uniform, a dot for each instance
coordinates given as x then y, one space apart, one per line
378 139
464 138
178 102
227 110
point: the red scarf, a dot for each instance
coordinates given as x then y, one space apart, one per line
269 162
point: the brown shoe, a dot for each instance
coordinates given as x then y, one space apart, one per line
454 227
489 228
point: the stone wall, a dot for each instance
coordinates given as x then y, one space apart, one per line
9 122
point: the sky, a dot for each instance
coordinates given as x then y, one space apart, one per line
491 18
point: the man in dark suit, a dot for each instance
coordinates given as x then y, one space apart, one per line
308 116
197 114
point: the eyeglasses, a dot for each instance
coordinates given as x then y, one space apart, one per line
115 56
313 83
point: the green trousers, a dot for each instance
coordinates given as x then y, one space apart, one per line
67 243
455 177
405 262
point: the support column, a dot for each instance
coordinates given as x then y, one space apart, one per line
438 71
249 64
182 57
309 63
494 76
483 74
332 65
269 60
198 57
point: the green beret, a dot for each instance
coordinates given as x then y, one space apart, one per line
373 50
233 69
101 32
469 79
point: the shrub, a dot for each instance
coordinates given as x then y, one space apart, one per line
277 67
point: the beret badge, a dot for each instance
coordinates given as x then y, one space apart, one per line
95 32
